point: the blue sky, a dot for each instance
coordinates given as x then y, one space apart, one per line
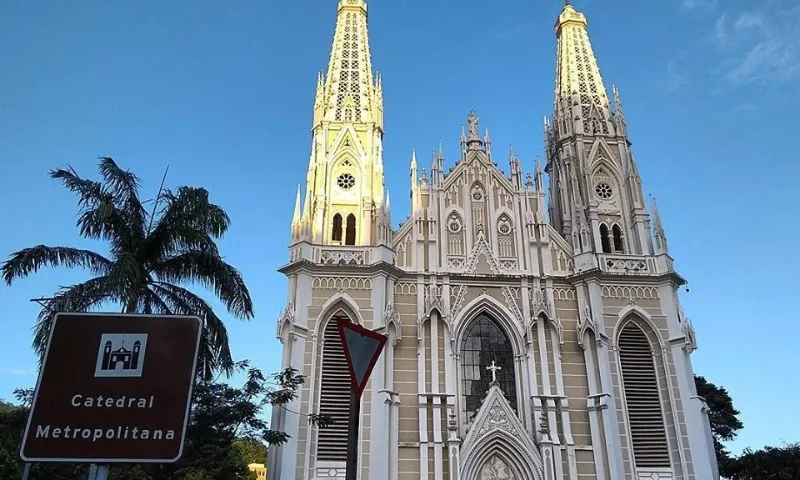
222 93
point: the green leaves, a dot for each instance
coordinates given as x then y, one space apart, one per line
151 257
30 260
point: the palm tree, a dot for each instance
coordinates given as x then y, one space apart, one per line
149 256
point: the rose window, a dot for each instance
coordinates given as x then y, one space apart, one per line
346 181
454 225
603 190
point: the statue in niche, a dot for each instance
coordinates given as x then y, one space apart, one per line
496 469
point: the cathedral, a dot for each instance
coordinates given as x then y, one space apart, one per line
534 331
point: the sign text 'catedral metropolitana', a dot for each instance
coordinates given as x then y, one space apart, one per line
113 388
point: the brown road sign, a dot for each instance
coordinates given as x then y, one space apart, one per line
113 388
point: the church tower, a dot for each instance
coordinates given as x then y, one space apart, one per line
530 337
344 187
596 199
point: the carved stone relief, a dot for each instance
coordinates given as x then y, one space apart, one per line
496 469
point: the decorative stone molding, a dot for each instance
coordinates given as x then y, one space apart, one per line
405 289
508 265
286 318
564 293
455 263
630 292
626 265
585 323
342 257
512 296
393 325
482 247
457 294
654 474
497 431
689 337
342 283
540 303
433 300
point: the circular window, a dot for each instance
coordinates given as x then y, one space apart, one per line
504 227
346 181
603 190
454 225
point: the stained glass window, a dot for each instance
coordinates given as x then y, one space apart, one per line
484 341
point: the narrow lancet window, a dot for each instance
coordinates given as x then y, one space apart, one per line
618 247
350 234
485 342
334 397
604 238
642 399
336 234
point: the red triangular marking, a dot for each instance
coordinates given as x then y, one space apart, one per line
362 348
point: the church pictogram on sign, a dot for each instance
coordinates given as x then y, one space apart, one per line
121 355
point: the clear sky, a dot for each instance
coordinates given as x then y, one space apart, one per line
222 92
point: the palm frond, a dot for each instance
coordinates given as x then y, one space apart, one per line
215 351
186 222
75 298
190 206
29 260
90 192
209 270
124 187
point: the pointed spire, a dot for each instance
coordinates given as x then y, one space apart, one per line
297 216
349 91
658 231
539 183
440 161
413 169
578 76
619 114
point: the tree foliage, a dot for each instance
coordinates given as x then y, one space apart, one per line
723 416
150 255
226 432
768 463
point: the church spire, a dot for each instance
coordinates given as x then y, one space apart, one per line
349 92
658 231
578 78
345 185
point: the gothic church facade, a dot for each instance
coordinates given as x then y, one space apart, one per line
531 336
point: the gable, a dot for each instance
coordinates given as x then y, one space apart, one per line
497 433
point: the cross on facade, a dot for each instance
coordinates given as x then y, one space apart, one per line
494 368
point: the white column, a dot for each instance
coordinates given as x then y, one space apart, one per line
422 403
292 421
610 418
593 405
563 407
437 400
378 457
702 451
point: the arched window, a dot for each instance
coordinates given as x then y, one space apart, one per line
604 239
334 397
642 399
484 341
336 234
350 233
617 232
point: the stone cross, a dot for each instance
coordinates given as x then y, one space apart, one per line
494 368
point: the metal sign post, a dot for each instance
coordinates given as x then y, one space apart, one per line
362 348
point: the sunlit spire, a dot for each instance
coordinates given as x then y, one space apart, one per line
350 94
578 75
